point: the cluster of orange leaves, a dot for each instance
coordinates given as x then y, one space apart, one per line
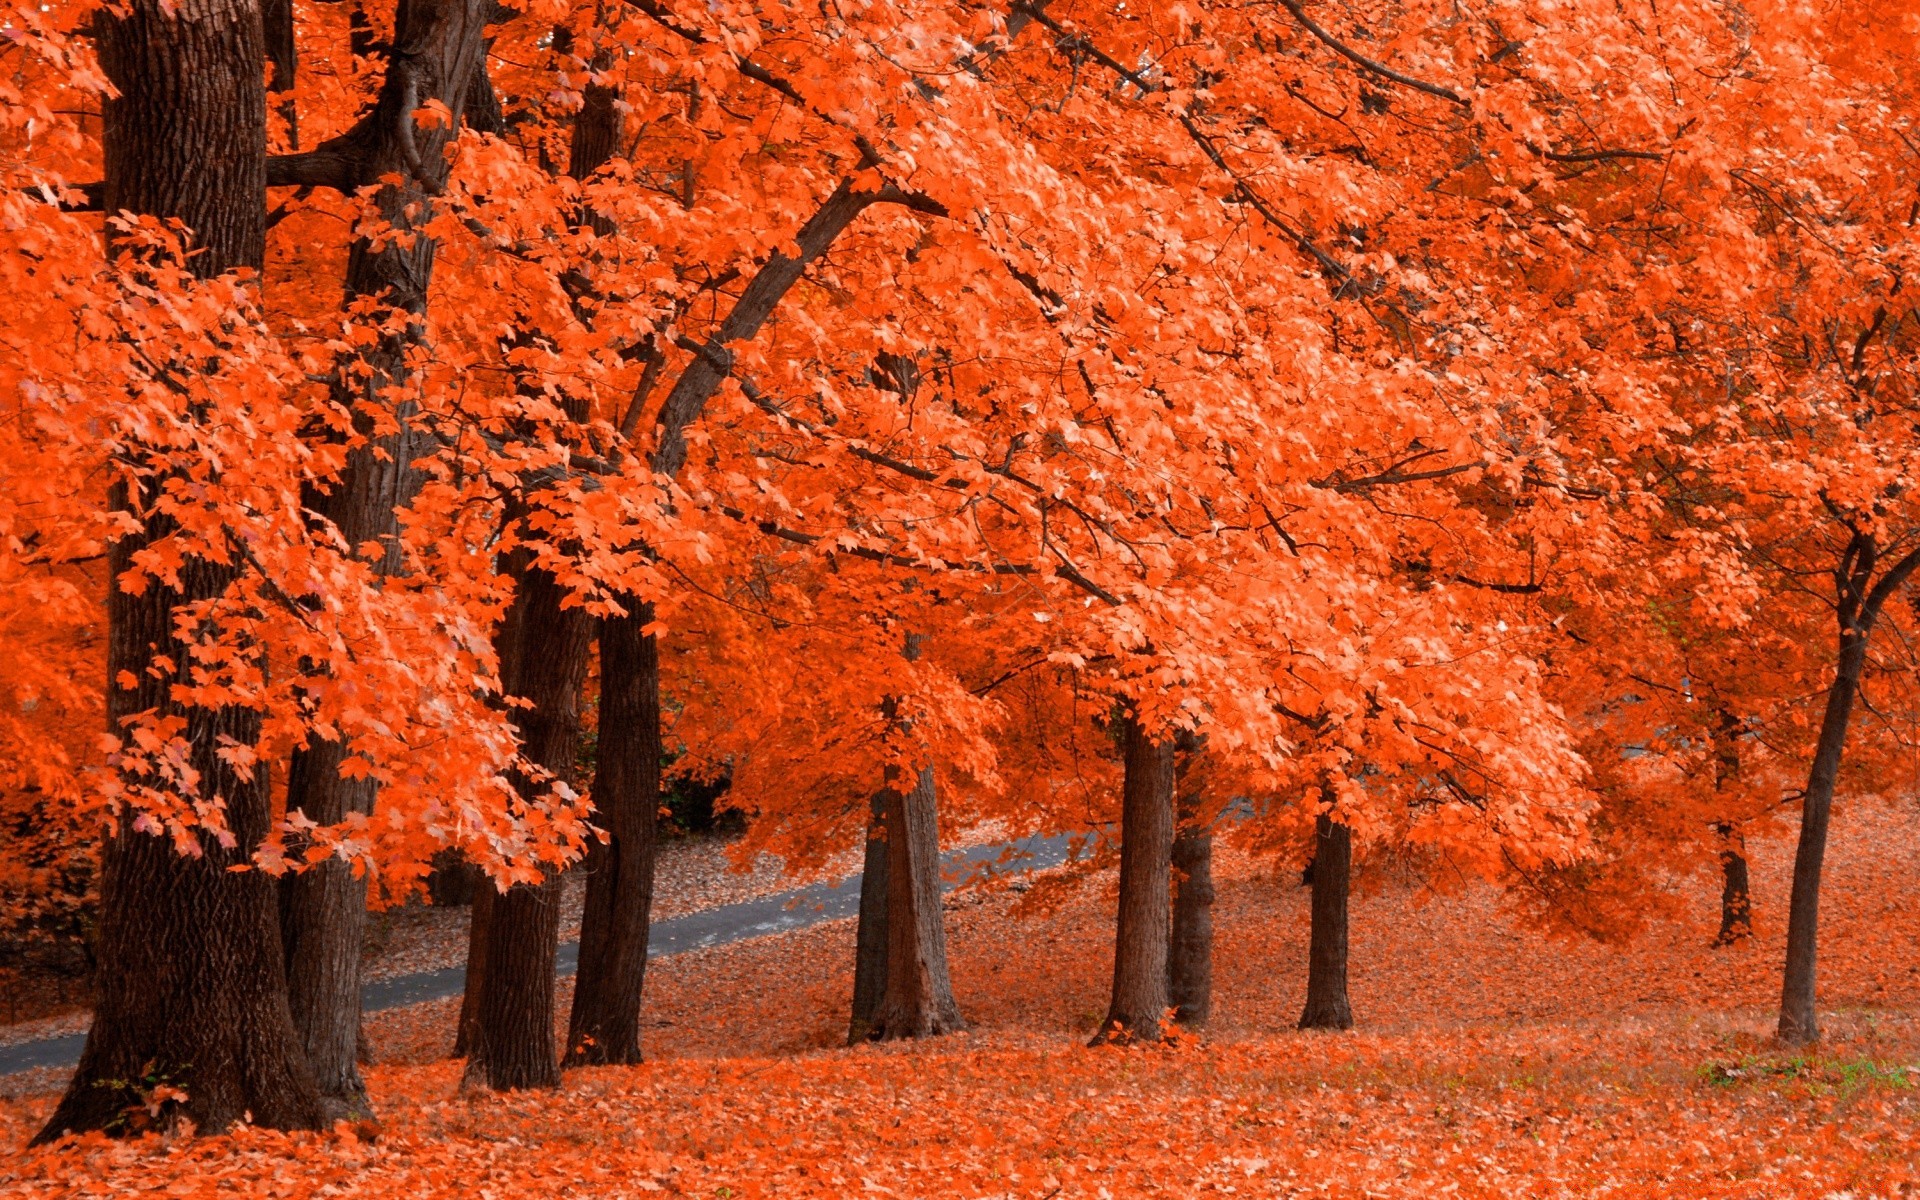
1362 425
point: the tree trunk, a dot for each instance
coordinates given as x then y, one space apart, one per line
919 995
1139 1000
604 1026
466 1034
1798 1022
543 659
192 990
1327 1006
870 940
437 54
1736 898
1190 955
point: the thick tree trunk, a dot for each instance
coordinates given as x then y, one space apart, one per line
1190 955
1327 1006
323 924
604 1026
1736 897
1139 1001
192 991
870 938
438 54
1798 1022
919 1000
543 659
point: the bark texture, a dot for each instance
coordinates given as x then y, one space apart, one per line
1190 954
543 659
870 940
437 54
1327 1006
918 1001
1139 1000
604 1025
192 991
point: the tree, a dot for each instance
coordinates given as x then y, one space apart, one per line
191 1018
436 55
1139 1001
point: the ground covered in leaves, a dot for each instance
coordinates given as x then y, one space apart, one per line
1491 1061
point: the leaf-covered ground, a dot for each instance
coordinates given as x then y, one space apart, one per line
1492 1061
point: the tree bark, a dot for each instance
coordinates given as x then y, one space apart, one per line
1327 1006
1736 897
604 1026
283 62
466 1033
543 659
1798 1022
919 999
437 55
1139 1000
870 939
192 991
1190 955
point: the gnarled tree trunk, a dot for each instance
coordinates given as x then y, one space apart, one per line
604 1026
1139 1000
1327 1006
1190 954
192 991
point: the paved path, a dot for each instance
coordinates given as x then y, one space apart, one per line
780 913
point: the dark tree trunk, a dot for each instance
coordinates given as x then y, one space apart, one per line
1139 1000
919 1000
283 61
1736 898
1327 1006
870 940
192 991
543 659
604 1026
466 1034
1190 955
437 56
1798 1022
452 880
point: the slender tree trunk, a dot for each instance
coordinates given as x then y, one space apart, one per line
1798 1022
919 996
870 940
1139 1001
1190 954
437 56
479 919
543 659
1327 1006
604 1026
1736 897
192 991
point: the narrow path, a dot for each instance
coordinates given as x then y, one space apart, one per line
781 913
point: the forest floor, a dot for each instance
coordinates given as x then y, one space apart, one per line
1491 1061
